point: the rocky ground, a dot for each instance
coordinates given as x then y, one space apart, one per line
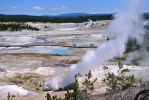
28 58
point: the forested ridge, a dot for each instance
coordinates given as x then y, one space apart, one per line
54 19
59 18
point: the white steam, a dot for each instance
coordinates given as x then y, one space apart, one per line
127 24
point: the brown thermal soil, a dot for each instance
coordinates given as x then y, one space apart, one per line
26 67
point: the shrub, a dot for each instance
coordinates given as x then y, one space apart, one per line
120 82
9 97
136 60
73 90
132 45
88 83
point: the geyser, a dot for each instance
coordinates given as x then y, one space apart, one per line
127 25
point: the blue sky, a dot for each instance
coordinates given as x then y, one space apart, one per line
55 7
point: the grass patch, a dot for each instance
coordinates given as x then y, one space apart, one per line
73 61
33 54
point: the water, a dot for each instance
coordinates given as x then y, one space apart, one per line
60 51
38 49
53 50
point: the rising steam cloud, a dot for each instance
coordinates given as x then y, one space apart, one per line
127 25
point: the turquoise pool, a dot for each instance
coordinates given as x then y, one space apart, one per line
60 51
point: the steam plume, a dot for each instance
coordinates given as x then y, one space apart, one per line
127 25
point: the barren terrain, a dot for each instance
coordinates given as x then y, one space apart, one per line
28 58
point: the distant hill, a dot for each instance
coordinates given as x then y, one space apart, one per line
63 18
73 14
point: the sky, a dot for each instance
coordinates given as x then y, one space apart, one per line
56 7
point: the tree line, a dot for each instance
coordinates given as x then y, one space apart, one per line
59 19
12 26
55 19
